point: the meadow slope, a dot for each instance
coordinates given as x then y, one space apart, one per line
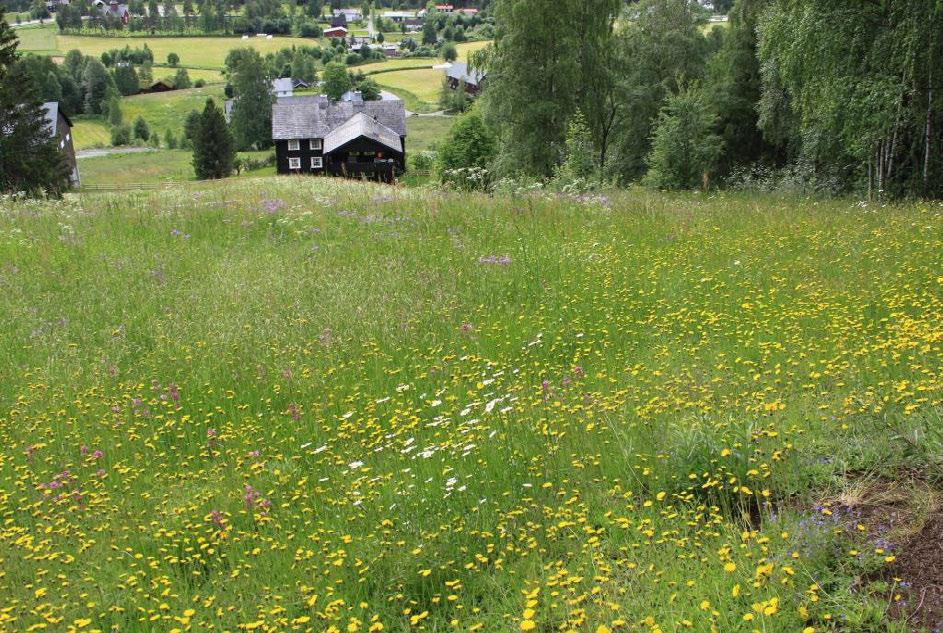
306 404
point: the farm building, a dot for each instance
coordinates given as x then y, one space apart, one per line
473 79
113 9
60 127
351 15
336 31
355 139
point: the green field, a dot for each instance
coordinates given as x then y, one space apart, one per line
151 167
196 52
163 111
37 38
168 110
425 131
312 404
88 132
136 168
424 83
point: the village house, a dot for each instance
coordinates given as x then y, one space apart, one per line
60 127
399 17
351 15
113 9
458 74
339 32
355 138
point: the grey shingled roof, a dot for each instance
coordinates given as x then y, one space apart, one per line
282 84
313 116
459 71
362 125
52 116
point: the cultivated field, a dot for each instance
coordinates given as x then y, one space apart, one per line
307 404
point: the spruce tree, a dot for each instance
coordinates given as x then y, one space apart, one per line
213 152
31 161
8 44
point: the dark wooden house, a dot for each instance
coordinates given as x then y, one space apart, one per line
354 139
60 128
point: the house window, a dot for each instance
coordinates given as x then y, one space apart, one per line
293 146
315 144
294 163
316 162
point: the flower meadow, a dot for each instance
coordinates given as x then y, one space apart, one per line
310 405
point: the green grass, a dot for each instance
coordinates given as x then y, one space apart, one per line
322 403
425 131
208 53
89 132
37 38
136 168
168 110
152 167
418 87
163 111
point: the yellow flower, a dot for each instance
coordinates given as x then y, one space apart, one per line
730 567
528 625
602 628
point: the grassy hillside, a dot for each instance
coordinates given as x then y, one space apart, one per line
290 404
423 132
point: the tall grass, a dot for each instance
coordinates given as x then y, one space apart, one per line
298 403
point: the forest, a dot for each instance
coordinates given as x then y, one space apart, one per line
824 95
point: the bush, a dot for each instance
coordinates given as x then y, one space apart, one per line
121 135
309 29
141 129
449 52
466 153
182 79
173 59
199 83
422 161
579 170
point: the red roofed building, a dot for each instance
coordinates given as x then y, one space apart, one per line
336 31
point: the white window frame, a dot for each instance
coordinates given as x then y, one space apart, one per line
315 144
294 146
317 162
294 163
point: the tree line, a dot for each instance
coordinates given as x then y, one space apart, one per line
841 97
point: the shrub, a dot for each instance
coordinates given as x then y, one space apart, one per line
182 79
467 152
121 135
173 59
199 83
141 129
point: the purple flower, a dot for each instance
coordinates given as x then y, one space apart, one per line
273 206
217 517
83 450
210 433
98 454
